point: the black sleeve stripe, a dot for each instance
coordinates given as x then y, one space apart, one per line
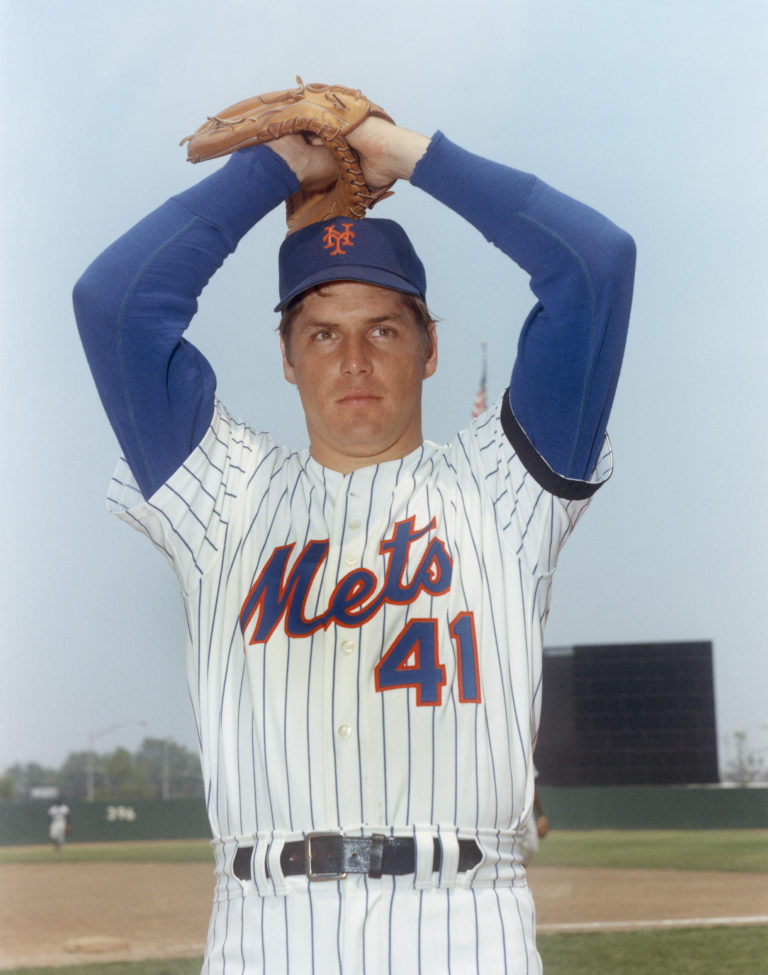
537 467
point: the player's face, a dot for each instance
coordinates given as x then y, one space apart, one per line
359 358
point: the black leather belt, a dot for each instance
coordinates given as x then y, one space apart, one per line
331 856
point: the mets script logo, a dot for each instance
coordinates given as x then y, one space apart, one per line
414 657
334 239
279 594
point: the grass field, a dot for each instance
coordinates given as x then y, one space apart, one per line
742 850
700 951
736 849
160 851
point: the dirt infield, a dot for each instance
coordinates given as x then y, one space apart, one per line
73 913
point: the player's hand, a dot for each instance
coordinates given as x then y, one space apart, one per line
387 152
311 162
542 826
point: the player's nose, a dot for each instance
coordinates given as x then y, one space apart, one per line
355 357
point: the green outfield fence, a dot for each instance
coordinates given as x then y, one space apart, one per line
655 807
598 807
25 823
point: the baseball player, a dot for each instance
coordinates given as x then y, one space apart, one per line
59 826
364 616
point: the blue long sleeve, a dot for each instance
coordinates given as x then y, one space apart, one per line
135 300
582 270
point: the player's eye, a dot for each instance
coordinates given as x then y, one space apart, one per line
322 334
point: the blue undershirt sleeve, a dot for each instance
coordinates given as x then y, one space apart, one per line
135 300
581 269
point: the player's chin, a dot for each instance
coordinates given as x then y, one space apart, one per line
362 447
363 422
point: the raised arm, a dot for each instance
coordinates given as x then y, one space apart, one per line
581 268
136 299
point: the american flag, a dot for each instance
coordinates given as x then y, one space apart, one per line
481 400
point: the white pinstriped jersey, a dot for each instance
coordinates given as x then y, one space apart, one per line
364 653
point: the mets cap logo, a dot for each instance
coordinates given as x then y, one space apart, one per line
334 239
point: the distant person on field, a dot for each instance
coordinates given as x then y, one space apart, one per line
59 826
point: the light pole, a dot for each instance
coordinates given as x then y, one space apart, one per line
165 791
90 765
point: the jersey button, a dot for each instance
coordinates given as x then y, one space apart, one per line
355 524
347 646
344 731
350 559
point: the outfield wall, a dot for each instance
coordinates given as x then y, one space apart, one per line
595 807
655 807
25 823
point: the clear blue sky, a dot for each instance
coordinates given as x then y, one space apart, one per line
652 111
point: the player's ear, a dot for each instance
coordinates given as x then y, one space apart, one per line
288 370
430 362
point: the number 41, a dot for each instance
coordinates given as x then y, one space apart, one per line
413 661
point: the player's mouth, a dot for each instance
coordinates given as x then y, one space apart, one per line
358 398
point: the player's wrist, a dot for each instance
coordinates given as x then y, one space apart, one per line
312 165
388 152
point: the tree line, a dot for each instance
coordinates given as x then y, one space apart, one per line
160 769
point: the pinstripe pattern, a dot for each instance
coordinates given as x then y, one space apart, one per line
294 735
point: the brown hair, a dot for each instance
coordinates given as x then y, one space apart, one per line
414 303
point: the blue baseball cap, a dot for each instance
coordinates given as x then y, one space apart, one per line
373 251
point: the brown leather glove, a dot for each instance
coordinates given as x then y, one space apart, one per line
327 112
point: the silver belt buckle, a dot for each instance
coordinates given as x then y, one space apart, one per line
308 866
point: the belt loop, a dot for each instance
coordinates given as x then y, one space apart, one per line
424 849
495 846
258 862
276 875
449 864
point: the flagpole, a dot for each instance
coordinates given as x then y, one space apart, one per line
481 397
